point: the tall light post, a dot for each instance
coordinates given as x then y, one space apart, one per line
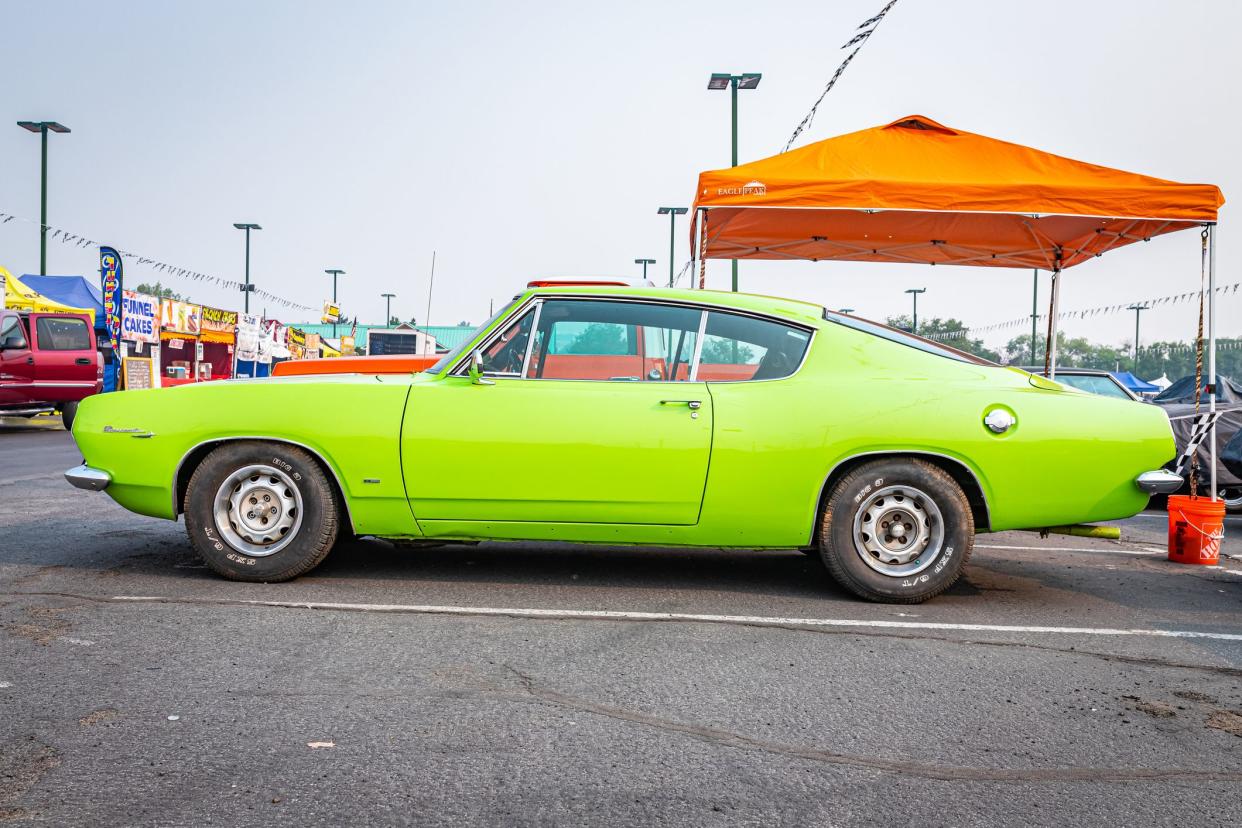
43 127
673 213
914 323
644 263
388 297
334 272
247 288
724 80
1138 310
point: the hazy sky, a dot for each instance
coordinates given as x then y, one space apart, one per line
536 139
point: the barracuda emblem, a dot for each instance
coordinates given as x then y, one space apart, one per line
136 432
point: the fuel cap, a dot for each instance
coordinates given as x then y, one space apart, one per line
998 420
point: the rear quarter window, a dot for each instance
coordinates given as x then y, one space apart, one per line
62 334
903 338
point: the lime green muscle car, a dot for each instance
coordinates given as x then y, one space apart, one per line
614 415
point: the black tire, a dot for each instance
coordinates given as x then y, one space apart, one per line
67 412
297 477
903 486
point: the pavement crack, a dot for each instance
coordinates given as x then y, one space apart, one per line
926 770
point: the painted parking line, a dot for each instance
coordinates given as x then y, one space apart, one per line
748 620
1072 549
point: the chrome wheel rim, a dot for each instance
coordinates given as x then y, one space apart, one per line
1232 496
258 510
898 531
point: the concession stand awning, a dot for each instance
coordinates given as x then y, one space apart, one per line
918 192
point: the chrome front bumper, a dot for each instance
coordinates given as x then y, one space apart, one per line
1161 481
84 477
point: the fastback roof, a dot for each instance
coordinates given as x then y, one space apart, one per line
918 191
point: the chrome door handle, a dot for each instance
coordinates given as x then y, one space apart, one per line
694 404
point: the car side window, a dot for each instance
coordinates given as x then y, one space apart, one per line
618 341
10 333
740 348
62 334
505 355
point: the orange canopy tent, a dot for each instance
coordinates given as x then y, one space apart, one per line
916 191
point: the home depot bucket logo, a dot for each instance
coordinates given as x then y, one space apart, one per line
749 188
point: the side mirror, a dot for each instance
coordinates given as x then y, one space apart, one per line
476 369
14 343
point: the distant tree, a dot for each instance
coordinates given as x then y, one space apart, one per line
158 291
464 324
598 338
951 332
394 321
717 351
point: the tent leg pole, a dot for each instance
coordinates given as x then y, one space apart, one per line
702 249
1050 347
1212 349
695 252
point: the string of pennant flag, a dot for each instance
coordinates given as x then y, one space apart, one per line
1088 313
864 32
164 268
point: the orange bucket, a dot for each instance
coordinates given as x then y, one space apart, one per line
1196 527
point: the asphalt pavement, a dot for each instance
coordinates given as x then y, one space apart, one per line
1062 681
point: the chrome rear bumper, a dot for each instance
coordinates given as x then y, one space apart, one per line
84 477
1161 481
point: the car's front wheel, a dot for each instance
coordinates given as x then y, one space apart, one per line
897 531
259 511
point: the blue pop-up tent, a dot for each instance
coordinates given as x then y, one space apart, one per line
74 291
1135 384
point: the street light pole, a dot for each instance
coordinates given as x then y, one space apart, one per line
644 263
673 213
388 297
335 272
42 127
914 323
247 287
1138 310
724 80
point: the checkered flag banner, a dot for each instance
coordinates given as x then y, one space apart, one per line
1202 427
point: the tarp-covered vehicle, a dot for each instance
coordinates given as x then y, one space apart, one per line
1178 401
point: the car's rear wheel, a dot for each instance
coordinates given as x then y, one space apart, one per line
1232 495
258 511
897 531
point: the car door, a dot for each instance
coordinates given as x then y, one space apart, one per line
65 360
16 362
589 415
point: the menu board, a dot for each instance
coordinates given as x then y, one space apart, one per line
139 373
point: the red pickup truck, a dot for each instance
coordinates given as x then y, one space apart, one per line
48 362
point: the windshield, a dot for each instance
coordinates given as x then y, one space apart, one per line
448 359
903 338
1094 384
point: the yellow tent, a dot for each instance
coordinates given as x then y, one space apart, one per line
20 297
